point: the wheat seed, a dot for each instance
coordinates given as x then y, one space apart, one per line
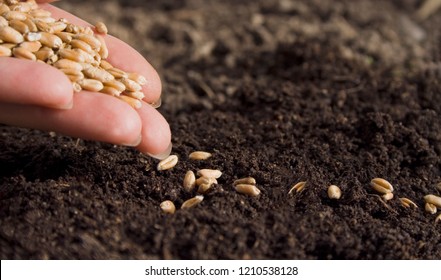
135 103
19 25
10 35
168 207
206 180
100 27
246 180
167 163
199 155
298 187
31 46
209 173
204 188
438 218
4 51
140 79
407 202
91 84
433 199
23 53
116 84
192 202
430 208
387 196
381 185
32 36
438 186
247 189
334 192
50 40
189 181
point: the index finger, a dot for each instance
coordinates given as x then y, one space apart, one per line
121 55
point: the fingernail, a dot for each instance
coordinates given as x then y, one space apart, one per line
134 144
157 103
164 154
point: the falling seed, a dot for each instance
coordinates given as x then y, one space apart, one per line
381 185
298 187
189 181
167 163
407 202
334 192
430 208
247 180
433 199
387 196
192 202
210 173
168 207
199 155
247 189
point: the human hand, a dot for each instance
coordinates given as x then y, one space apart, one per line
39 96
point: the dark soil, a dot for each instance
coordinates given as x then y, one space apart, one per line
328 92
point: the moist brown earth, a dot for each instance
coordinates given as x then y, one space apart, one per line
328 92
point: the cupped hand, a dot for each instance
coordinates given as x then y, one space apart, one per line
39 96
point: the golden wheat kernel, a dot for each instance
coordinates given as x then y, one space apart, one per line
11 15
334 192
247 189
192 202
78 44
40 13
189 181
91 85
116 84
135 103
167 163
381 185
10 35
98 74
9 45
209 173
31 25
23 7
199 155
206 180
105 65
140 79
32 36
299 187
130 85
100 27
117 73
4 8
72 71
19 25
23 53
246 180
168 207
204 188
51 40
387 196
5 51
67 63
110 91
71 55
430 208
407 202
58 26
94 42
66 37
72 28
103 51
134 94
44 54
31 46
43 26
76 87
3 21
433 199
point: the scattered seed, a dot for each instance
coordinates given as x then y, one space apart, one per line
433 199
298 187
247 189
199 155
381 185
192 202
210 173
387 196
334 192
430 208
204 188
168 207
407 202
206 180
438 218
247 180
189 181
167 163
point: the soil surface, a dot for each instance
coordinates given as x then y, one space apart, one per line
328 92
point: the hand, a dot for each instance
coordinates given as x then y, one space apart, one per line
39 96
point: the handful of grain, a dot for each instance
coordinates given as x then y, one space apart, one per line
28 32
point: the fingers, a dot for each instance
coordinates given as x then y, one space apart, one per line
115 122
121 55
34 83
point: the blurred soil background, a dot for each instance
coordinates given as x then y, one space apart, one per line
328 92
